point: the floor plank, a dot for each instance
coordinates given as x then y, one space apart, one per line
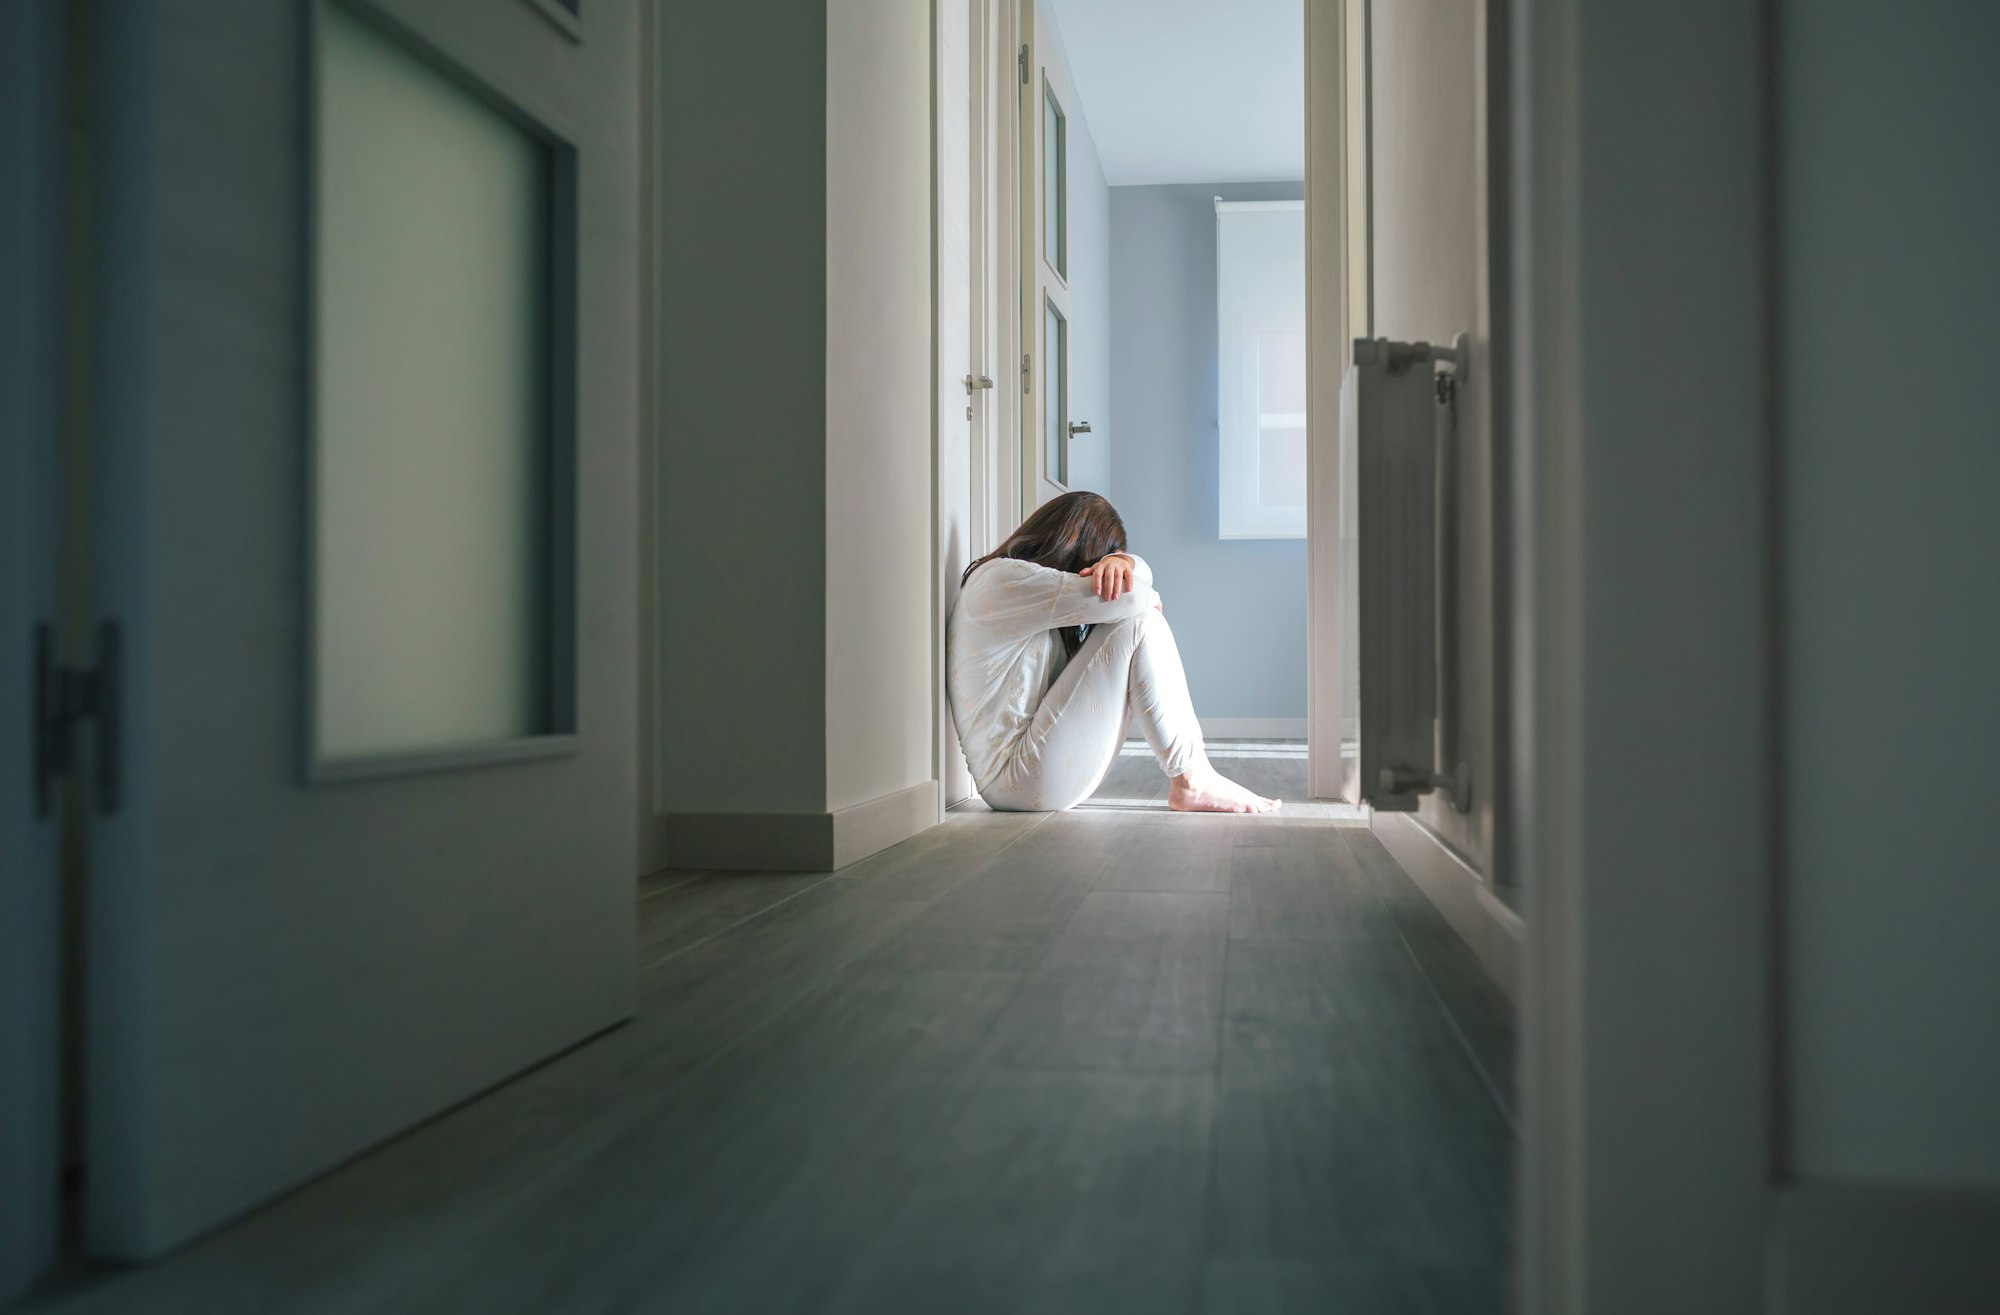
1132 982
1050 1192
1106 1060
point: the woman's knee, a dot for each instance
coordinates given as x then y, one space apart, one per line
1128 634
1150 627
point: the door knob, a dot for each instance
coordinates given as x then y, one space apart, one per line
973 383
1080 427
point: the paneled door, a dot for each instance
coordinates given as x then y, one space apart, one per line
1047 101
364 362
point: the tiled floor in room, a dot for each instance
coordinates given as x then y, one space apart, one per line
1108 1060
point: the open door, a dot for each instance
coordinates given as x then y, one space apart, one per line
1046 102
31 128
365 363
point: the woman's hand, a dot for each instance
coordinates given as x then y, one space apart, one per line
1111 576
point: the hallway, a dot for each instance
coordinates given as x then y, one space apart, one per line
1101 1060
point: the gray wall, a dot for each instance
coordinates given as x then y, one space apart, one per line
1238 607
1891 582
1429 263
741 406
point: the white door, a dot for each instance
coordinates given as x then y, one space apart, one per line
1047 101
31 60
365 362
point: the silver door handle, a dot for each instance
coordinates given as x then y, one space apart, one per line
973 383
1080 427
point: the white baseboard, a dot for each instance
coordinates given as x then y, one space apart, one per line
1253 728
798 842
869 828
1493 930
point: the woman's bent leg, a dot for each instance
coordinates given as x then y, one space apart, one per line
1161 706
1126 669
1158 703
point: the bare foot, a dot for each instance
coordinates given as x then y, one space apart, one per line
1205 790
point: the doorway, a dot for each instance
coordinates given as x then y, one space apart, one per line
1161 267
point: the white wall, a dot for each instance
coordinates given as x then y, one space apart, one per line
1891 579
1427 155
794 402
878 399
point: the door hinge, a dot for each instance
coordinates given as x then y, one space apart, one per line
1025 376
65 698
1022 60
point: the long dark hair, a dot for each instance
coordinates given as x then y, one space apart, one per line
1066 534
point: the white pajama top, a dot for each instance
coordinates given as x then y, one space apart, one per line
1003 651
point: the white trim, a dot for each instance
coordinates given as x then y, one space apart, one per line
1643 810
1222 205
1494 931
798 842
1253 728
1005 499
874 825
940 714
1326 361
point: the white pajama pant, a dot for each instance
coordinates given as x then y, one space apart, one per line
1128 673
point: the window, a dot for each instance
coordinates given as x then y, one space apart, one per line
1260 297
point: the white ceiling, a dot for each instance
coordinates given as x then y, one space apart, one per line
1190 91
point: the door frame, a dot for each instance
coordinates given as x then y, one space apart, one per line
1038 280
1335 295
1657 1175
995 341
985 130
1645 1186
1334 208
1005 501
34 123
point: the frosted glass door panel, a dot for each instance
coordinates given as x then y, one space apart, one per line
1055 392
432 560
1055 186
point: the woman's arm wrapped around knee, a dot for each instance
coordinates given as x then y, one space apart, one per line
1023 598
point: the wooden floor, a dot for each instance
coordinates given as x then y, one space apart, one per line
1108 1060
